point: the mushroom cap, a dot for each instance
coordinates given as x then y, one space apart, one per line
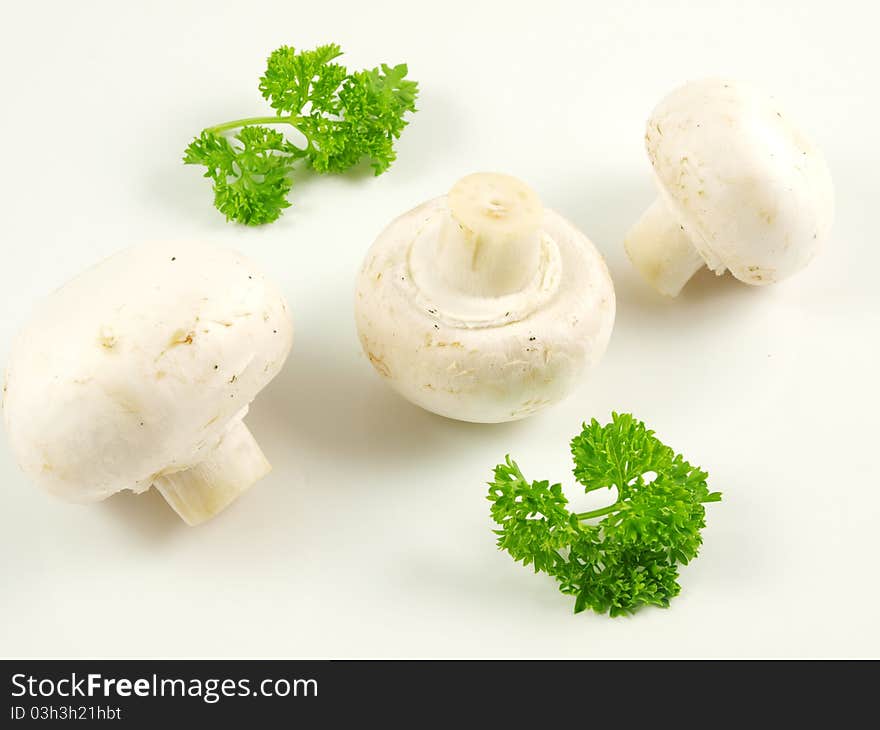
492 362
136 367
745 183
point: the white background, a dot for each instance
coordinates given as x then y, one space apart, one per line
371 537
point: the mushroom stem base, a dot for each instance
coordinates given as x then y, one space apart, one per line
661 251
199 493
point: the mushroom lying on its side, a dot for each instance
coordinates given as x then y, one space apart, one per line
482 305
139 372
742 188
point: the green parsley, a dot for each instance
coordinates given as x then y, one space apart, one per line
617 558
343 117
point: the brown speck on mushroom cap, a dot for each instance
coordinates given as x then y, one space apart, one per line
180 337
108 342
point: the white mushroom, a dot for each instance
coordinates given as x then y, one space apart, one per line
482 305
742 188
139 372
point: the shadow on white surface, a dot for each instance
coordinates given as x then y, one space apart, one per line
495 582
605 209
150 518
334 405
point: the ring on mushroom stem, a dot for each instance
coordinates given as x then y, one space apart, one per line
742 189
482 305
139 372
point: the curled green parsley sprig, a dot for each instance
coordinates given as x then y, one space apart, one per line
616 558
343 117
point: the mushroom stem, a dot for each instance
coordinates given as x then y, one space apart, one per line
661 250
200 492
490 245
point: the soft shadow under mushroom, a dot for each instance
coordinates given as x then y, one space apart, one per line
147 513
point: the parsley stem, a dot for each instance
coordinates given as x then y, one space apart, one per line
599 512
292 120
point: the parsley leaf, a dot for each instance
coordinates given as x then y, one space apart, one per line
250 179
293 79
617 558
344 118
371 105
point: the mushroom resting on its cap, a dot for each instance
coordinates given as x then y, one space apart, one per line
482 305
139 371
742 188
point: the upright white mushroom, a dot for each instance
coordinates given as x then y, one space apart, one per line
482 305
139 372
742 188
